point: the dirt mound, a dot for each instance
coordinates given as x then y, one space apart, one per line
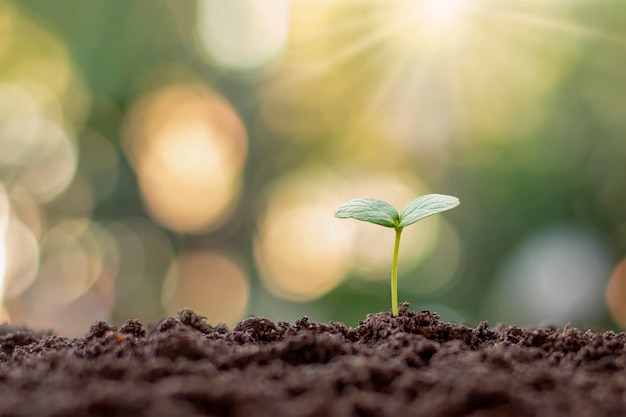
411 365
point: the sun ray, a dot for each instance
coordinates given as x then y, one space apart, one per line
354 24
554 25
359 46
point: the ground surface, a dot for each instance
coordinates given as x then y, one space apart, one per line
412 365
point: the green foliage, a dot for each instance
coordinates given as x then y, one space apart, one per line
381 213
369 210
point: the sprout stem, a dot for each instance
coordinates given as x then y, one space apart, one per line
394 274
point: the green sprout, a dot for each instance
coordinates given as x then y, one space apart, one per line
378 212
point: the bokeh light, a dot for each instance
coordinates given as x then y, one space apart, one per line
39 147
71 262
615 294
188 147
21 258
299 249
73 278
211 283
243 34
556 276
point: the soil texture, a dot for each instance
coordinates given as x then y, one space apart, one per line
411 365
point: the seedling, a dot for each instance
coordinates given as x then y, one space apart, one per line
378 212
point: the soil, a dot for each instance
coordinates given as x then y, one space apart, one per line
411 365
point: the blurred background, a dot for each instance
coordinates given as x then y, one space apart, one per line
156 155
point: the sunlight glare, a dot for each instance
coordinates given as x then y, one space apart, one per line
439 14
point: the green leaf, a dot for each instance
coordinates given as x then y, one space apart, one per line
369 210
425 206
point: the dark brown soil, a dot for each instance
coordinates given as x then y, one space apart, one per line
412 365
